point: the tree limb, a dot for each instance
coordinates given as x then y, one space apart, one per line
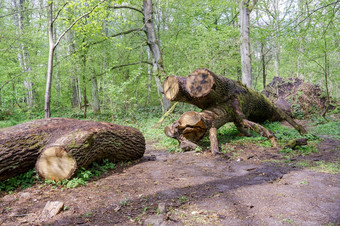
56 16
74 22
125 65
118 34
126 7
8 81
336 2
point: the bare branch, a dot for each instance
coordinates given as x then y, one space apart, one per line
118 34
61 8
233 19
8 81
333 3
74 22
125 65
253 6
126 7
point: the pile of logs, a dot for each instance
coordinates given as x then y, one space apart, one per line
222 100
58 147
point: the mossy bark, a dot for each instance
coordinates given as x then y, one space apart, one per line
222 100
66 145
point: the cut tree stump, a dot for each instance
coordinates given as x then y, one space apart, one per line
58 147
222 100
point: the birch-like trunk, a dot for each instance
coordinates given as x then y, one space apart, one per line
50 62
153 43
245 44
277 38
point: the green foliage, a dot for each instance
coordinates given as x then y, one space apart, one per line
191 33
30 178
124 202
183 199
327 128
23 181
85 174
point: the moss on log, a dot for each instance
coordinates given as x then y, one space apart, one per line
58 147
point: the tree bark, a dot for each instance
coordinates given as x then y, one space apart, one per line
245 43
277 37
95 98
222 100
50 62
58 147
264 75
153 43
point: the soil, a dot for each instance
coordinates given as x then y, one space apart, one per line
252 186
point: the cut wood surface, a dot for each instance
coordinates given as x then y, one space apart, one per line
58 147
222 100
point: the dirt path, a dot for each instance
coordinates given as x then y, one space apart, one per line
197 189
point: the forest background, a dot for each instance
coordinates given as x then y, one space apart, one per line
103 67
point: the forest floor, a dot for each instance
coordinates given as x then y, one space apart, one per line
250 185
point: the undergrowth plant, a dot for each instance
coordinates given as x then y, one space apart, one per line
84 175
29 178
23 180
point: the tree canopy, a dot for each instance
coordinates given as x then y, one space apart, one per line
103 61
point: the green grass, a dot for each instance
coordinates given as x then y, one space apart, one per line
321 166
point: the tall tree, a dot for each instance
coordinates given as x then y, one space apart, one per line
153 43
53 44
245 43
21 22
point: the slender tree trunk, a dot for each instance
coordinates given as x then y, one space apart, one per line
299 64
57 74
245 43
52 47
153 43
75 81
263 65
50 63
149 79
84 85
326 72
96 105
23 56
79 91
277 38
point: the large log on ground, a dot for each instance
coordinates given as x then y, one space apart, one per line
222 100
58 147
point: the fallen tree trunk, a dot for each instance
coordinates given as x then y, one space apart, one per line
58 147
222 100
